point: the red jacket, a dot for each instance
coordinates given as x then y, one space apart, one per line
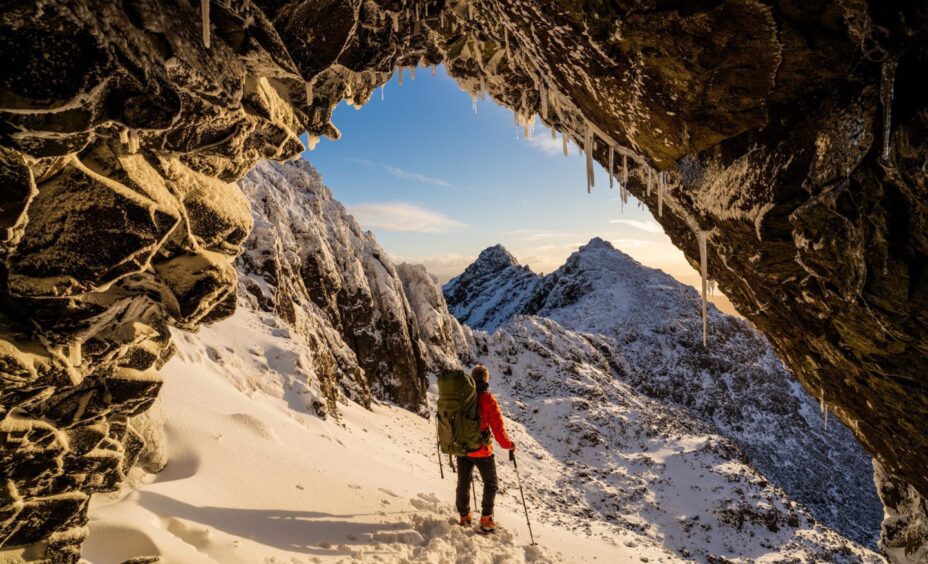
491 417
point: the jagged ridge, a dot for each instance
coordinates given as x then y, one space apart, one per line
650 326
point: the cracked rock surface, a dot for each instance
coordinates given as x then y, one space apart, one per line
793 134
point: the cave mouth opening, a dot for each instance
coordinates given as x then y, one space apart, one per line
782 140
439 175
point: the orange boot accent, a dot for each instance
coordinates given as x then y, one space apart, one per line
487 525
465 520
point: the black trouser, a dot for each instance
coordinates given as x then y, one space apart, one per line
486 465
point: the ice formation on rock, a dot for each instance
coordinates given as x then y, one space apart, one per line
815 240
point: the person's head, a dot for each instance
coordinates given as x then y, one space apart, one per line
481 374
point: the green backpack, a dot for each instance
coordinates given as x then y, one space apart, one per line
458 414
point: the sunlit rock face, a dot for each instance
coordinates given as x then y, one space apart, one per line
794 134
371 330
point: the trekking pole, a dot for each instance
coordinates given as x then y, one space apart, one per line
512 457
473 489
441 467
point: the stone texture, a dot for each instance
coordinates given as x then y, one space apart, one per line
768 118
310 262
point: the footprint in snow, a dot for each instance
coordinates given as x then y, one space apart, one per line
388 492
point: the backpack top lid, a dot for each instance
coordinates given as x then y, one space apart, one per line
455 384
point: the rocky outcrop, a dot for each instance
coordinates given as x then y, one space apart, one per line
649 328
443 342
793 134
310 262
904 537
490 290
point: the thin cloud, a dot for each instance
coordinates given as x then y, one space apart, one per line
649 226
625 244
400 173
544 143
418 177
400 216
537 235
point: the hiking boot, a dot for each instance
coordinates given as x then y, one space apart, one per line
487 525
465 520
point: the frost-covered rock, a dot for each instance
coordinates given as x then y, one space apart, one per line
310 262
649 327
904 538
444 342
491 290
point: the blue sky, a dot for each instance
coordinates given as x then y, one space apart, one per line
437 183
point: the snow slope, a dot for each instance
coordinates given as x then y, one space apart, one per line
254 476
610 475
650 327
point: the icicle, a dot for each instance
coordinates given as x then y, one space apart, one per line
711 287
553 134
441 20
483 84
588 147
506 41
649 181
433 70
624 169
400 76
705 287
395 16
660 194
412 73
543 95
204 13
309 93
382 88
133 141
417 12
887 87
473 102
124 136
312 141
564 143
826 418
470 10
611 160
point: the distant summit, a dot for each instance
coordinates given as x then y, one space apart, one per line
495 257
491 290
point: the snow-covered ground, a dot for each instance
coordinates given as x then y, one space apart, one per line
253 477
611 476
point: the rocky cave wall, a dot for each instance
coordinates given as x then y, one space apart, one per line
791 134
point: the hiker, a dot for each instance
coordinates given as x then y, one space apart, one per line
491 420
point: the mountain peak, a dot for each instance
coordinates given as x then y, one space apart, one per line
597 243
496 257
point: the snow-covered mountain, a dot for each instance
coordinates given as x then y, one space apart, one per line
285 442
648 326
332 285
491 290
